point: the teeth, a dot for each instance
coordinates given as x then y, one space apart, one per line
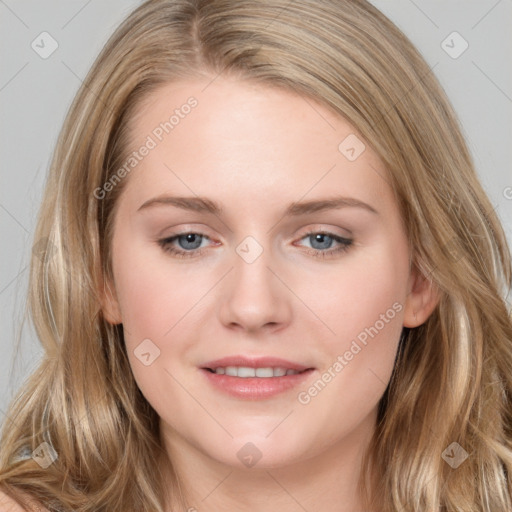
244 372
231 371
264 372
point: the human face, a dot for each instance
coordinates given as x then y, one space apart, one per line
252 283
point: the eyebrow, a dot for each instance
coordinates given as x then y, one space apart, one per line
295 209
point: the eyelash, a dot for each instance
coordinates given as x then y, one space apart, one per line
346 243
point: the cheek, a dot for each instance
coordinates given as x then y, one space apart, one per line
364 307
153 293
154 299
364 291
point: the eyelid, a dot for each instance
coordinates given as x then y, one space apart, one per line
329 229
344 244
183 229
313 229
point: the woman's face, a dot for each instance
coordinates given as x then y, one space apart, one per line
295 259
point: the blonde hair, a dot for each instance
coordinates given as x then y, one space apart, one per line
452 380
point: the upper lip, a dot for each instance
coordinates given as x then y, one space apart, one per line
254 362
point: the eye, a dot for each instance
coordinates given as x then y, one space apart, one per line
322 242
188 242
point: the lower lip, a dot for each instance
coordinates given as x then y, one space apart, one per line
255 388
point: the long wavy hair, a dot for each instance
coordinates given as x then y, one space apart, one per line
452 381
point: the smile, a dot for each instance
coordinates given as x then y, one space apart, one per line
245 372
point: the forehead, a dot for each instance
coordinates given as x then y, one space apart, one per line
229 136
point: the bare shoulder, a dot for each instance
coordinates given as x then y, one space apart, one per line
7 504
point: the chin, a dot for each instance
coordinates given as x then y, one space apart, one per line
259 452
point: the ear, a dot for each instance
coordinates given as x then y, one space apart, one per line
109 303
421 300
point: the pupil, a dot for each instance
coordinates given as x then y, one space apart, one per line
191 238
324 240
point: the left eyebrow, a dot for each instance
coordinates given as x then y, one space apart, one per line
305 207
205 205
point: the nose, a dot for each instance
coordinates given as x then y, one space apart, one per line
254 297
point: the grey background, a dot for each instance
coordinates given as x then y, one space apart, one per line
35 94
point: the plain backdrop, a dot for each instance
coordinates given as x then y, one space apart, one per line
467 42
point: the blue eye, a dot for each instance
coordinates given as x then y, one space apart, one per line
190 244
190 240
321 240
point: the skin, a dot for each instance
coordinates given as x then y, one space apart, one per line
255 150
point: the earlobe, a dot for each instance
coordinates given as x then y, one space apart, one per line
422 299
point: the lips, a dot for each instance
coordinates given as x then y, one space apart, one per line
254 377
245 372
255 363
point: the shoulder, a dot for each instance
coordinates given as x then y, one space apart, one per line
7 504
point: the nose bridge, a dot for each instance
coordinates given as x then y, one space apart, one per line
254 297
253 281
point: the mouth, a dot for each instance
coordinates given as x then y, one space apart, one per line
254 378
246 372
